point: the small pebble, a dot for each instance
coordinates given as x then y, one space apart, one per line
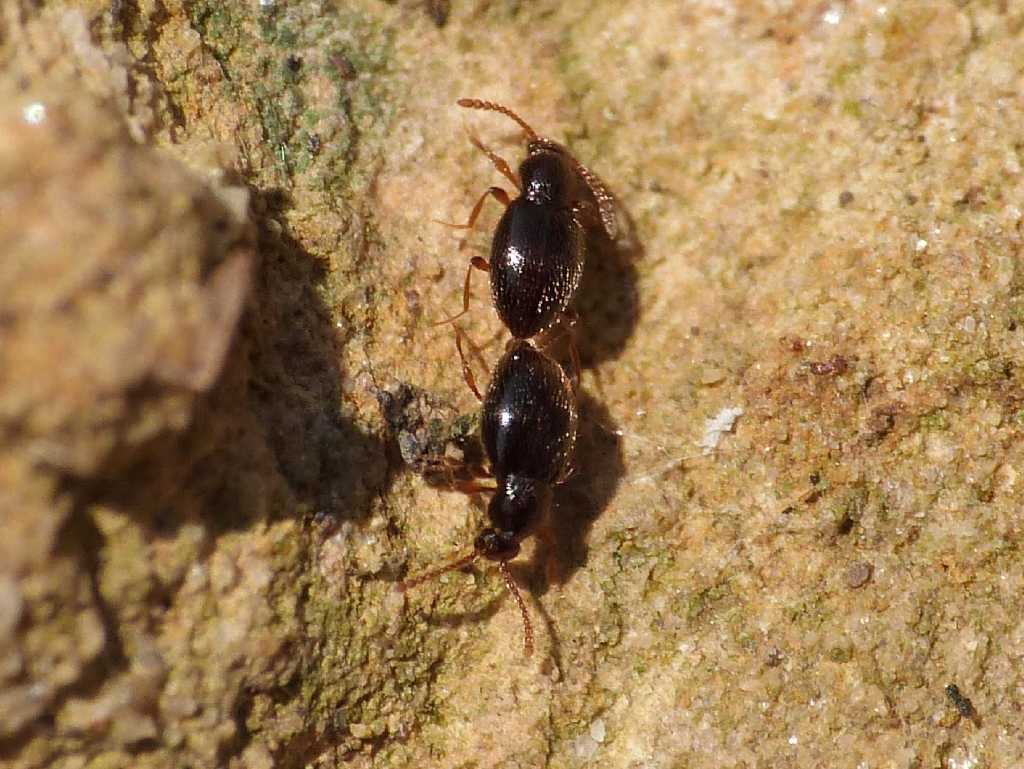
964 705
10 606
711 375
361 731
858 574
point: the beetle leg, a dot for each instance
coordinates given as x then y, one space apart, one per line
570 317
467 372
574 374
496 192
480 471
443 467
457 474
479 263
554 573
497 161
458 563
473 487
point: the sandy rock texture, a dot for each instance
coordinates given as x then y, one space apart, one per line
796 515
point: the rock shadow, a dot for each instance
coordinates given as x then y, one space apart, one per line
295 381
268 438
270 434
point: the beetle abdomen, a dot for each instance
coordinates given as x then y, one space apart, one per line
536 265
529 417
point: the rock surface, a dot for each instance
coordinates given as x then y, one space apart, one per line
796 514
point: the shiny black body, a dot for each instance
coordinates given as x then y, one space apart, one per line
528 428
539 247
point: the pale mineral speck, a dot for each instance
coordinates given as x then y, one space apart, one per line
968 762
34 113
585 746
597 730
717 426
833 15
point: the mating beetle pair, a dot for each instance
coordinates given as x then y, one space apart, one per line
529 414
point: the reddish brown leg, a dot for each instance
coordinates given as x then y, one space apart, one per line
481 471
442 465
479 263
458 475
458 563
571 318
574 374
474 487
497 161
467 372
496 192
564 326
475 351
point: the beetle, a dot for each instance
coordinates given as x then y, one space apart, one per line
539 245
528 429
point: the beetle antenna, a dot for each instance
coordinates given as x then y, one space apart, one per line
531 135
455 565
527 626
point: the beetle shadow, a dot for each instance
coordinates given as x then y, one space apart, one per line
455 619
608 300
599 469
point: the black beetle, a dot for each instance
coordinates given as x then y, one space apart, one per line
539 246
528 429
